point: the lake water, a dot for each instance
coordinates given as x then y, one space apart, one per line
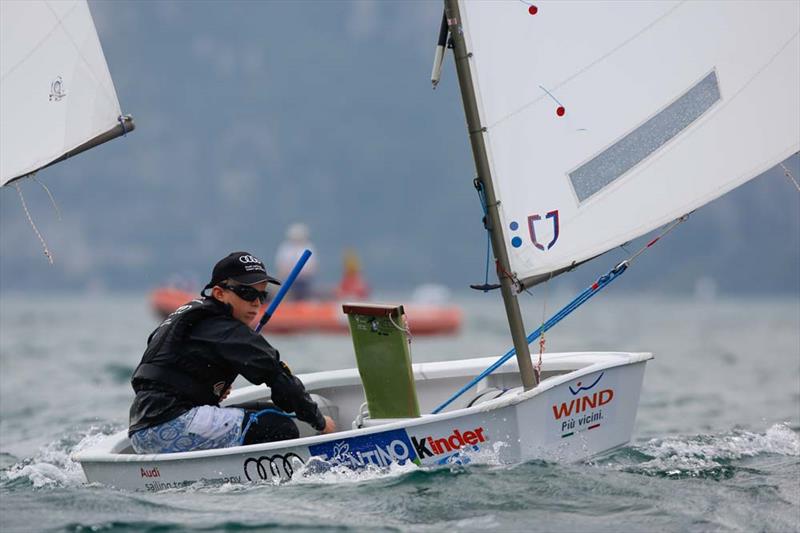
716 445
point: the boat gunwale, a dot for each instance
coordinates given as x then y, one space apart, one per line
101 452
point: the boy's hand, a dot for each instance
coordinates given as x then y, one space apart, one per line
330 425
225 394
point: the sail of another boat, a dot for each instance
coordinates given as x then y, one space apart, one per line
57 98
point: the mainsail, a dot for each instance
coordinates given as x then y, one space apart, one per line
56 94
604 120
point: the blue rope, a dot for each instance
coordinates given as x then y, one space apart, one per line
601 282
253 418
482 198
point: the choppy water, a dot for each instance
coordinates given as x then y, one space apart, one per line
716 446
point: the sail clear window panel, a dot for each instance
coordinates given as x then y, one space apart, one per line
613 162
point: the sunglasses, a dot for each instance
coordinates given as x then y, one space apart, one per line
247 293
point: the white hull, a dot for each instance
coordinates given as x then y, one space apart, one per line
585 405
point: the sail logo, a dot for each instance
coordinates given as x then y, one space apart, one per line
532 219
378 449
57 91
516 241
430 447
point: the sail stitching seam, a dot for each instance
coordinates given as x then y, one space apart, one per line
39 44
78 50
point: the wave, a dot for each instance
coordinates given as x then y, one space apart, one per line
319 471
705 456
701 456
52 466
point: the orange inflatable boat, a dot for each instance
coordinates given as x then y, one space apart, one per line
323 316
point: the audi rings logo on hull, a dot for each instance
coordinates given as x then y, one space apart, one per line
272 467
249 259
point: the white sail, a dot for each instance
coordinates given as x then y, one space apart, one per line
604 120
56 93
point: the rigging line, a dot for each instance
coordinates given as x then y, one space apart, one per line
789 175
40 43
33 225
52 199
488 251
482 197
669 227
538 367
514 279
590 291
583 297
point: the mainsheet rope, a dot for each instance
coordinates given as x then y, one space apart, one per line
46 250
538 366
590 291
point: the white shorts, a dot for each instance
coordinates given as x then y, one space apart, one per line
201 428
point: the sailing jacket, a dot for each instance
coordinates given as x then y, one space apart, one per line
193 357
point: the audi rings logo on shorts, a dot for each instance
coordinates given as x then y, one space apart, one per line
272 467
249 259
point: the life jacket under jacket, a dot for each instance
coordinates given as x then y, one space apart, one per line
200 379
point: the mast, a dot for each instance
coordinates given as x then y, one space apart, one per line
484 176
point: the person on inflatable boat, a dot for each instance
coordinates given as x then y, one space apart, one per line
192 359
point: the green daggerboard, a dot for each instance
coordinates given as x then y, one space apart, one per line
380 341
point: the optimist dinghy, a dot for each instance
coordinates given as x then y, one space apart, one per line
585 404
591 124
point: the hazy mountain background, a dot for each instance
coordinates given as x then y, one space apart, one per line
253 115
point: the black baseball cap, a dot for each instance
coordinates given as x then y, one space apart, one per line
242 267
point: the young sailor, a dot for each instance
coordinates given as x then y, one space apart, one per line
192 359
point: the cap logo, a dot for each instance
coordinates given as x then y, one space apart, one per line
249 259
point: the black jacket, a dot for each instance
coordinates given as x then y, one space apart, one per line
194 356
